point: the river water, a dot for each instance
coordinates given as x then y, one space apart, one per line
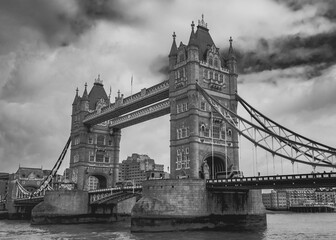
279 226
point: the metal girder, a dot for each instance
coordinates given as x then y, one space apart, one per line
271 141
153 111
321 152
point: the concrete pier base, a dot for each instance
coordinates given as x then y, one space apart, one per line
173 205
65 206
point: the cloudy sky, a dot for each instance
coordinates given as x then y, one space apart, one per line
286 52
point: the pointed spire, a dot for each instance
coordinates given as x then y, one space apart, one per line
76 97
173 50
98 81
85 94
202 23
231 52
192 39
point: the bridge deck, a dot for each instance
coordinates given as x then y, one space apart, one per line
313 180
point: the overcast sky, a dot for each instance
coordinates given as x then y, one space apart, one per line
286 55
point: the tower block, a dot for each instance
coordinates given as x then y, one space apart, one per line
202 144
94 156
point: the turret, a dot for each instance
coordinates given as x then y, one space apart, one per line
192 45
85 100
232 61
173 53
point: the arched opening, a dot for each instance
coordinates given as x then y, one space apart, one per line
218 163
96 182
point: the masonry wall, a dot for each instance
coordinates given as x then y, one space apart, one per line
63 202
170 197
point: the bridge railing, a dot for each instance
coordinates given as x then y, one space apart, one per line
275 177
98 194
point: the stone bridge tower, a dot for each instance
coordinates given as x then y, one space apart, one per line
199 136
94 155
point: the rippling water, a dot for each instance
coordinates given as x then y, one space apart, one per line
279 226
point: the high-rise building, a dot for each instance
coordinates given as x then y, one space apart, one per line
3 185
134 168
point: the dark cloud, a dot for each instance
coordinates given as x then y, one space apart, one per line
107 9
160 65
324 8
318 50
57 23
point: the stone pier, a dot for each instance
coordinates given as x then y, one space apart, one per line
172 205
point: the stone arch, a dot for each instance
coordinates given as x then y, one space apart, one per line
219 165
96 181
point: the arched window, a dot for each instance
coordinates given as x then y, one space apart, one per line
210 61
216 63
221 78
181 57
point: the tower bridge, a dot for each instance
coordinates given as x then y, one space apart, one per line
201 97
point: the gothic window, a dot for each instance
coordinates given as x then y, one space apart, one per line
181 73
216 131
202 129
90 139
178 160
99 157
179 108
181 57
188 162
216 76
110 142
100 140
206 132
185 107
229 132
210 61
91 156
216 63
184 132
107 159
211 75
221 78
203 107
205 73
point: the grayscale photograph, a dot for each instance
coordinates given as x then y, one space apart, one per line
167 119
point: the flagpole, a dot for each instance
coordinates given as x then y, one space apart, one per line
212 148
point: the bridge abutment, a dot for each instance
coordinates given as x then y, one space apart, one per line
186 204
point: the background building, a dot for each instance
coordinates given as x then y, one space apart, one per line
134 168
4 177
286 198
